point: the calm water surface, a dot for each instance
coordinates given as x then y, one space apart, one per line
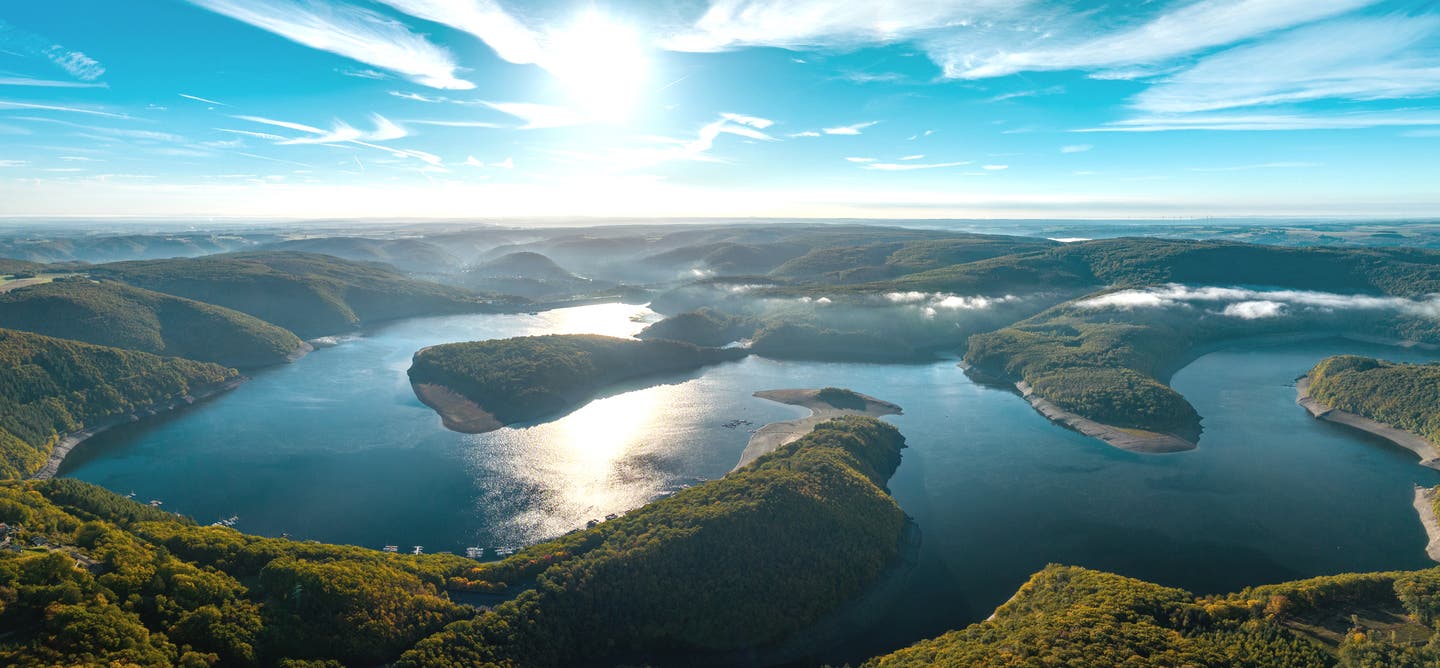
336 448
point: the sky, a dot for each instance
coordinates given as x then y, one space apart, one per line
496 109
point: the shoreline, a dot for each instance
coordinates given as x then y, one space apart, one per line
456 412
776 434
1428 452
70 440
1425 506
1132 440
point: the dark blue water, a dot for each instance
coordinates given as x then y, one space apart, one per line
337 448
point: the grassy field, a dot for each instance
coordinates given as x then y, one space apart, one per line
8 282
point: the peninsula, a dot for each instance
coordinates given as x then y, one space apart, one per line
1396 402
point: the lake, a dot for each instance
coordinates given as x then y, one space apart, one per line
336 448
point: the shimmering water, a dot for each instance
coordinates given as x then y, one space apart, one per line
336 448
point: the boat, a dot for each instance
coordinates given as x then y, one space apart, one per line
418 550
392 548
611 516
591 524
475 552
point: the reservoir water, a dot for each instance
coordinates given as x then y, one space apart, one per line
336 448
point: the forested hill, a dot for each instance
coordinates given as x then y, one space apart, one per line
726 565
53 386
1405 396
733 564
1066 616
1149 261
308 294
528 377
113 314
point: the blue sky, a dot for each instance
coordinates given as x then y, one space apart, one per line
885 108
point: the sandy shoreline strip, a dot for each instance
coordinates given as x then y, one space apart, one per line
69 441
1425 506
456 412
1134 440
1428 452
771 436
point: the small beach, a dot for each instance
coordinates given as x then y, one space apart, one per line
456 412
771 436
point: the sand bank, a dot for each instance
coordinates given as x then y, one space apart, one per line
1425 506
68 441
773 435
1429 454
456 412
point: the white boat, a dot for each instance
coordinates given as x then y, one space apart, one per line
392 548
418 550
475 552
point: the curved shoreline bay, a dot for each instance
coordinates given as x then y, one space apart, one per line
1428 452
68 442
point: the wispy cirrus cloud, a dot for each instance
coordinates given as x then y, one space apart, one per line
197 98
1261 165
11 104
49 83
27 44
1375 58
1076 148
911 166
352 32
539 116
729 24
853 129
1177 32
1258 121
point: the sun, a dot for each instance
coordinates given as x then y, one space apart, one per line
602 64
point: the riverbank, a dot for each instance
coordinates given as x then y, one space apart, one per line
771 436
69 441
1428 452
456 412
1425 506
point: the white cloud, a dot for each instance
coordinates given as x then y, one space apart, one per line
484 19
250 133
201 99
1251 304
13 163
729 24
507 163
1254 310
806 133
914 157
862 160
539 116
1193 27
1039 92
1270 121
910 166
854 129
364 74
995 168
47 83
1263 165
752 121
1375 58
10 104
352 32
1076 148
921 135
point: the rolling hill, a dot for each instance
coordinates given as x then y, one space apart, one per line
114 314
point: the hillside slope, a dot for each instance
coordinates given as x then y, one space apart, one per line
114 314
311 295
53 386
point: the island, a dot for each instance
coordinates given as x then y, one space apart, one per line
480 386
824 404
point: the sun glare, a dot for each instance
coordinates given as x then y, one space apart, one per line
601 63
